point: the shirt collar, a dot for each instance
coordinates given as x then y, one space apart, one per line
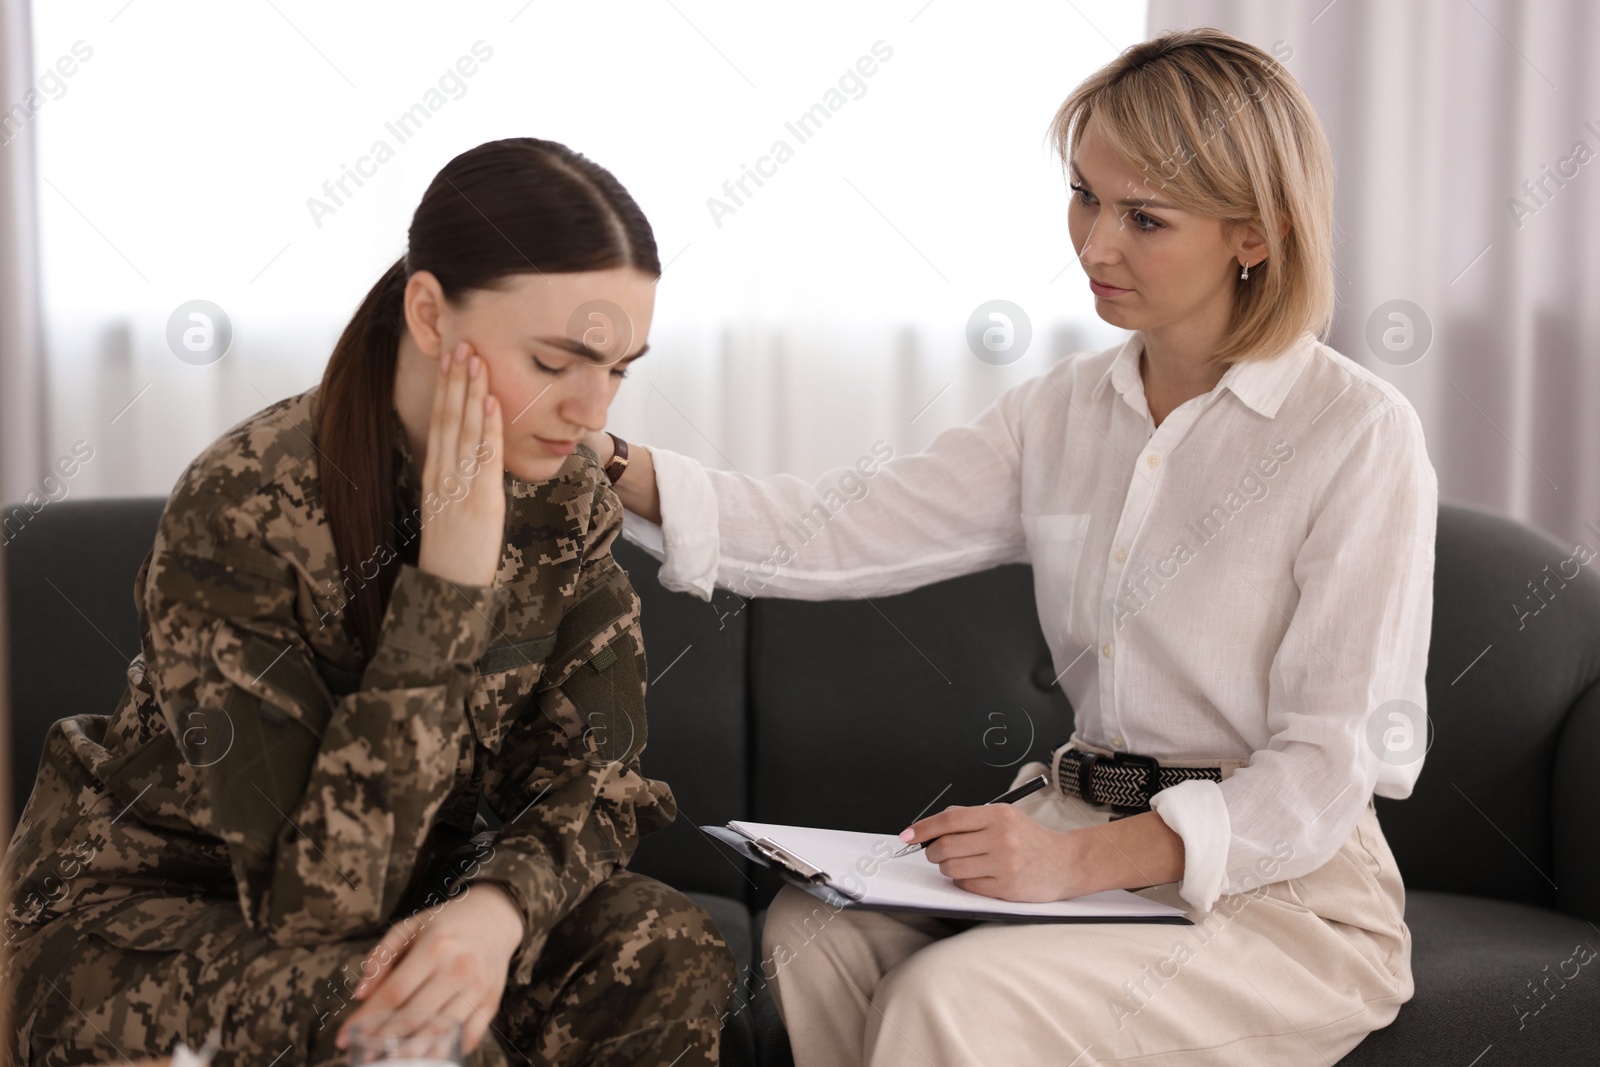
1261 383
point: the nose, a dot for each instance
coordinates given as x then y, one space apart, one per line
589 399
1101 245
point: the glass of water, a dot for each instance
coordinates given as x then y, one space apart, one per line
406 1039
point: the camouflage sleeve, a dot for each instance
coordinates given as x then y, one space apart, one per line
323 802
567 780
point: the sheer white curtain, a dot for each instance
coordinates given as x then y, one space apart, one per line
22 430
191 153
1466 135
179 146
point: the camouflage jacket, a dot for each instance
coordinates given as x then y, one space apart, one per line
252 759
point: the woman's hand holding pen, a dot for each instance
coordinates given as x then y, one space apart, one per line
996 850
464 465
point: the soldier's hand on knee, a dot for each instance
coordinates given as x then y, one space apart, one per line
452 961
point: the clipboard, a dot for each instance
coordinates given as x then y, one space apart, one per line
820 862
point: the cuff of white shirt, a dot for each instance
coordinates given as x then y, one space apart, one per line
687 540
1196 812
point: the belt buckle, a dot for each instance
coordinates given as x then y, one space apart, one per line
1086 765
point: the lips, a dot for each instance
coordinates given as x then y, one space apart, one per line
560 448
1102 289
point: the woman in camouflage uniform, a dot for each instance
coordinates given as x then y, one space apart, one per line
381 747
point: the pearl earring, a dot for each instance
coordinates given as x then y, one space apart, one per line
1244 274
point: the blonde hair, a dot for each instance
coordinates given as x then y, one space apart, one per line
1223 130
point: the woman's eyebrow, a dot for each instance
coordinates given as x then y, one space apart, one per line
1133 202
578 348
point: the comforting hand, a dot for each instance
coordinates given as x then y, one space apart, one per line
637 487
452 962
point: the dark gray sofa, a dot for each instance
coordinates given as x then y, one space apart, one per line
860 715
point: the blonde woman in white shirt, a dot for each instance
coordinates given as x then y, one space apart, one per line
1231 528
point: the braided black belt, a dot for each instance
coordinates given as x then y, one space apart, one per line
1123 780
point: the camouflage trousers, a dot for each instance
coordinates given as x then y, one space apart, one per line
636 974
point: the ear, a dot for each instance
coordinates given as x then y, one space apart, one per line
425 311
1248 242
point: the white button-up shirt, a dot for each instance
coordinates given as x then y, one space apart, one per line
1252 579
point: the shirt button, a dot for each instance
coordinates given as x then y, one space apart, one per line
1105 649
1122 555
1116 740
1153 460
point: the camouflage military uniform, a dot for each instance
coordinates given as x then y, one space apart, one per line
223 849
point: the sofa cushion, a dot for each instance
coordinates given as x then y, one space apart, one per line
695 698
74 622
1500 685
869 714
753 1033
1522 979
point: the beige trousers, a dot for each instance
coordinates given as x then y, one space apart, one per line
1295 972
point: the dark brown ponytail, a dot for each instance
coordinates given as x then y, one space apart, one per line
514 206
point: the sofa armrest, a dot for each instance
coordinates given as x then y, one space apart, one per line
1575 810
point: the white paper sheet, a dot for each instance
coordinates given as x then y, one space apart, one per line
857 865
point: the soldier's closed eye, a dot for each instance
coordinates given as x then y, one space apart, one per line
619 369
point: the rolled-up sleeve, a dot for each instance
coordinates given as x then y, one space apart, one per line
1347 696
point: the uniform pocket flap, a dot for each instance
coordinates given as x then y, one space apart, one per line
287 687
277 707
528 653
588 627
165 923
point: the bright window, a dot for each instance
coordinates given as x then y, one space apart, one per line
197 150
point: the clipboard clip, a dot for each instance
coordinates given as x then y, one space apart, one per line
780 855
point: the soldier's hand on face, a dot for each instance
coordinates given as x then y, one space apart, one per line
464 469
452 962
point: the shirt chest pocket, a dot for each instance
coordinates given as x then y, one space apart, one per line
1055 547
